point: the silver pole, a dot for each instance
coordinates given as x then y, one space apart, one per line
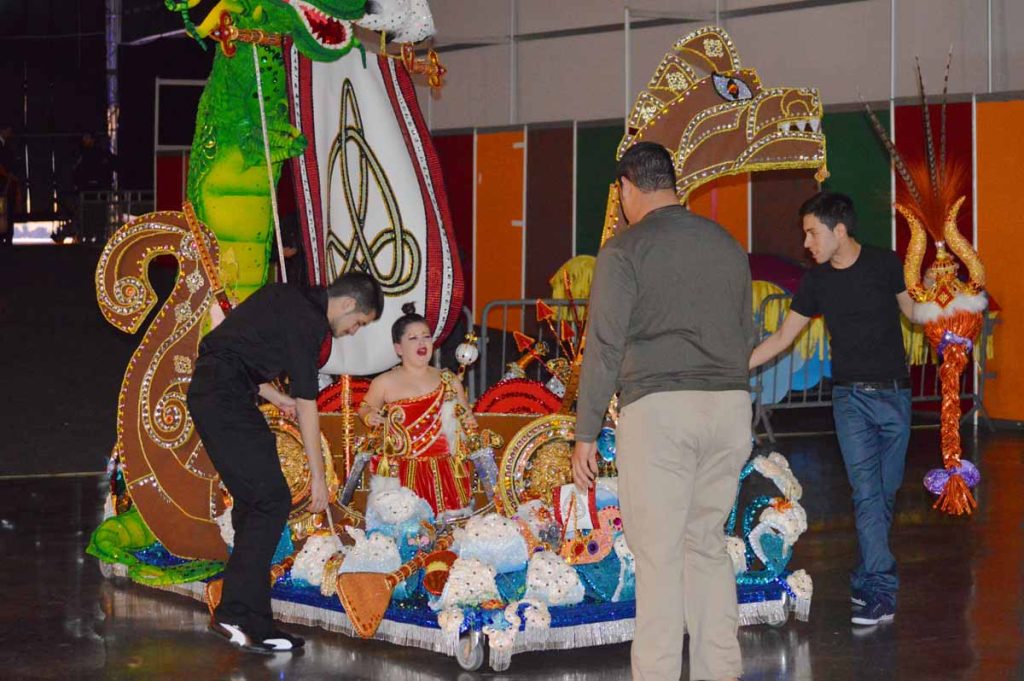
892 110
990 46
892 51
513 77
718 12
430 109
113 39
628 65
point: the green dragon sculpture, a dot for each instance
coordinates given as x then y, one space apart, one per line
227 177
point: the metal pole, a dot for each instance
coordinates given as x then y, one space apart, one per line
156 136
892 109
628 65
430 109
113 39
990 46
718 12
513 89
892 51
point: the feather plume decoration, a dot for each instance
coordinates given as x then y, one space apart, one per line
945 92
894 154
929 139
933 207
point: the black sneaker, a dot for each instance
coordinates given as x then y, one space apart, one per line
860 597
877 609
236 636
282 641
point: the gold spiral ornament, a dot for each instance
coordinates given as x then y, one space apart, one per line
536 461
295 467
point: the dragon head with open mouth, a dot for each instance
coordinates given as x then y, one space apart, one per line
322 29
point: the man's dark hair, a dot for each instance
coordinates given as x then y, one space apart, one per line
831 209
648 166
362 288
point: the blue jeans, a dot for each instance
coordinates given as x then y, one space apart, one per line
873 428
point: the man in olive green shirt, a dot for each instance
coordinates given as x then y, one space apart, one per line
670 328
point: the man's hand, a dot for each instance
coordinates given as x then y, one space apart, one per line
779 341
584 465
285 403
309 426
318 497
277 398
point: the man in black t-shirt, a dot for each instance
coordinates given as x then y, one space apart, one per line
279 329
860 291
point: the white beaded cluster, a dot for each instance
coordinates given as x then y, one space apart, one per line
376 553
801 584
551 580
494 539
310 561
470 582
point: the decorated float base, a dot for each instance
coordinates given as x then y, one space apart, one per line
489 609
413 623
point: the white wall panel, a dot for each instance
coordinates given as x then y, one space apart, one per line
843 50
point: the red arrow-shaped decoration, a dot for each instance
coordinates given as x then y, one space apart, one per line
523 342
567 331
544 311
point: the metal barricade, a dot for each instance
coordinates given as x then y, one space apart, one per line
798 378
776 386
497 347
100 213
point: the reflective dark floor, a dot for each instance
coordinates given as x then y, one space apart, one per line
959 617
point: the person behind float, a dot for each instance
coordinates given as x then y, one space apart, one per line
419 410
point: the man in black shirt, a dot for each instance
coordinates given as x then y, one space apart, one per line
860 291
280 329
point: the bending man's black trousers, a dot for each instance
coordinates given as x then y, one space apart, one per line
244 452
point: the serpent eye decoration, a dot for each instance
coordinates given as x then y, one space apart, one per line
731 88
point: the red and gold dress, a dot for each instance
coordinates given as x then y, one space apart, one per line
417 448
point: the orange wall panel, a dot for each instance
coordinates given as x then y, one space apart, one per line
1000 228
498 261
725 201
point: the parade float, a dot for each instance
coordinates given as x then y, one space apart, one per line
526 562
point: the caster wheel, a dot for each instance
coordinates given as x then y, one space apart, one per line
470 651
779 624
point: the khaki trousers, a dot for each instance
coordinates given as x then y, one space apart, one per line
679 460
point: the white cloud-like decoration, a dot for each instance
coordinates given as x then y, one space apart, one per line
470 582
494 540
310 561
390 504
552 581
408 21
376 553
737 552
776 468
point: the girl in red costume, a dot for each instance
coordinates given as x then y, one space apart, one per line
415 411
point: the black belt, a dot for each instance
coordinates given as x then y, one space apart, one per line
894 384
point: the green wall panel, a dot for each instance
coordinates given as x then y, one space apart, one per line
859 167
595 170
